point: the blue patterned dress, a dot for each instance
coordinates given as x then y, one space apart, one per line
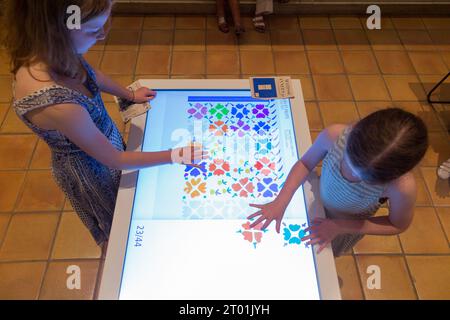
90 186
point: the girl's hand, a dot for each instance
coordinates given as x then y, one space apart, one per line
191 155
269 212
143 95
322 232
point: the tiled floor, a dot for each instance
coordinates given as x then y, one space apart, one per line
346 73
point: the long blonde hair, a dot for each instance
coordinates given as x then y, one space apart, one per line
36 31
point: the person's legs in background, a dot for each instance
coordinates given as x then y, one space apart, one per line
263 7
221 22
236 13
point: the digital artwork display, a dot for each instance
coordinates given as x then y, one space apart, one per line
189 236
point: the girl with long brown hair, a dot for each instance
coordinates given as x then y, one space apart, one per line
364 165
58 95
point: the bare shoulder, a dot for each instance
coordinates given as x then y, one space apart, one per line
31 79
404 187
333 132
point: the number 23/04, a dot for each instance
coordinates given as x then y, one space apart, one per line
139 236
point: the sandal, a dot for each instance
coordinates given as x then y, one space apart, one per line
444 170
223 25
258 23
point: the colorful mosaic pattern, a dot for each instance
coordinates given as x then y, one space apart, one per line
245 164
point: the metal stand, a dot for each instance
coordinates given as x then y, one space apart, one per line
434 89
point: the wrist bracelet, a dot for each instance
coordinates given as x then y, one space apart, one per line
134 96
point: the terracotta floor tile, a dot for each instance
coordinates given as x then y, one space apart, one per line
159 22
42 157
189 40
291 62
123 40
444 217
12 124
319 40
40 193
21 281
325 62
286 40
29 237
314 117
438 188
119 62
359 62
73 240
156 40
120 79
416 39
425 234
254 40
428 63
370 87
438 151
4 222
431 276
384 39
257 62
338 112
188 62
222 62
283 22
219 41
395 280
307 87
190 22
94 58
367 107
10 184
16 151
67 205
4 63
352 40
4 108
423 197
408 23
404 88
134 23
394 62
332 87
344 22
436 22
446 57
5 89
422 110
54 286
441 39
378 244
314 22
153 62
346 270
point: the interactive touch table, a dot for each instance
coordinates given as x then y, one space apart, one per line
182 233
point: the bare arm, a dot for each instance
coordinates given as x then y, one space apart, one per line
76 124
297 176
309 161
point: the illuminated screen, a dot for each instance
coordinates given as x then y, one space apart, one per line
189 236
